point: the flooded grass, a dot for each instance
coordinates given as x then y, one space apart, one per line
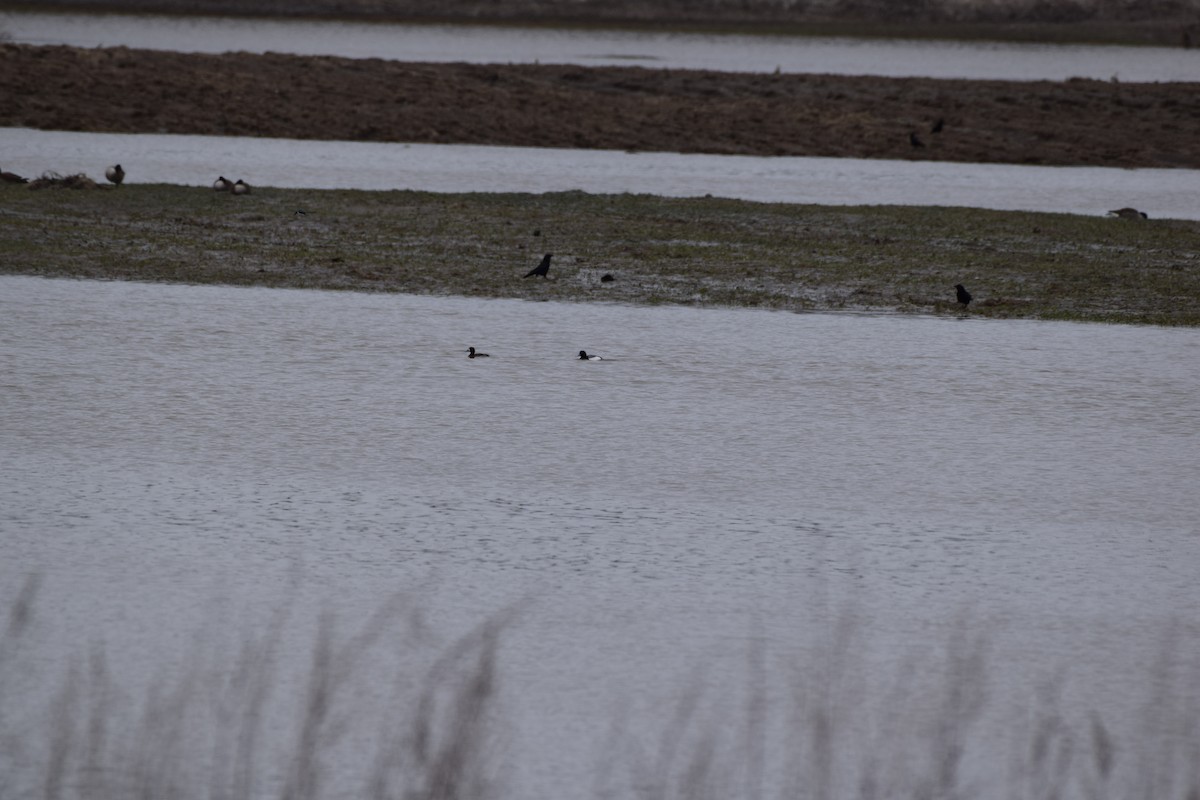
698 252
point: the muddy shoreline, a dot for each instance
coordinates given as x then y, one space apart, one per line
1070 123
1153 22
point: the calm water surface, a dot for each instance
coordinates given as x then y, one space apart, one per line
731 53
722 477
197 160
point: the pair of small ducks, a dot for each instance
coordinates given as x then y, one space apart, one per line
583 356
221 184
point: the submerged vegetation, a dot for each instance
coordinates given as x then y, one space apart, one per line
295 708
699 251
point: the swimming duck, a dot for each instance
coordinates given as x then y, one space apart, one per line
473 354
583 356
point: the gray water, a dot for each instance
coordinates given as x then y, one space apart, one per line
197 160
666 50
722 477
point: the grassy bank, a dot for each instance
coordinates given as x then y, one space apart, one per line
701 252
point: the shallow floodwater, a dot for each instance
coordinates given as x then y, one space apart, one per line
658 50
723 477
197 160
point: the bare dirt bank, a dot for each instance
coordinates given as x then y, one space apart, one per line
1158 22
1076 122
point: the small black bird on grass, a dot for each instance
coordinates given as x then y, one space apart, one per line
915 140
938 126
963 295
542 268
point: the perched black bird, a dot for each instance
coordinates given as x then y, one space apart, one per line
607 278
542 268
963 295
473 354
115 174
937 126
915 140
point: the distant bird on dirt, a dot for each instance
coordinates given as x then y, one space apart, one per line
1128 213
962 294
607 278
115 174
583 356
937 126
12 177
915 140
222 185
542 268
473 354
240 187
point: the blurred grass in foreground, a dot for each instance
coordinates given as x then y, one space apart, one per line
387 711
699 252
